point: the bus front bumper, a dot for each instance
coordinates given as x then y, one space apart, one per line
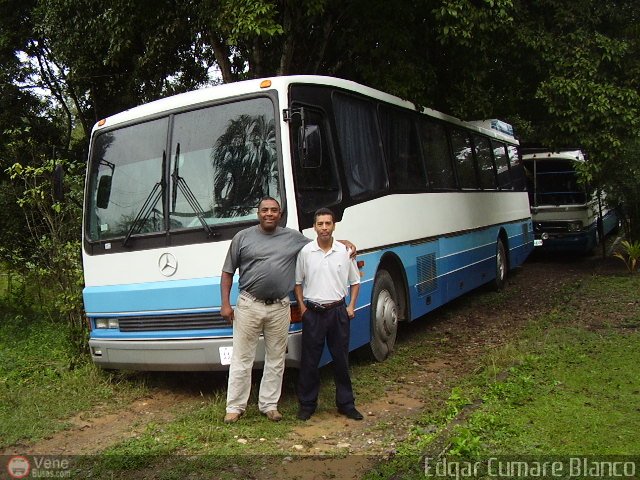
564 242
210 354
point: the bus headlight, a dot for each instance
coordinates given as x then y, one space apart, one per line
107 323
545 236
574 226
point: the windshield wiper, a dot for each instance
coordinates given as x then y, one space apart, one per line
148 207
179 183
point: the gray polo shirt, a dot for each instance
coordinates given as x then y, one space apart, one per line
266 261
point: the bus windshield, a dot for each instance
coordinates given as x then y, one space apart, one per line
187 170
554 182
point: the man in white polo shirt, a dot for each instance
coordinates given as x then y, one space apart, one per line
324 276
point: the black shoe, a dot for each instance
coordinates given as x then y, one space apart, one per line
304 415
351 413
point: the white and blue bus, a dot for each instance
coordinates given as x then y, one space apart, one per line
567 215
436 207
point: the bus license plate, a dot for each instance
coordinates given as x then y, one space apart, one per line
225 355
537 243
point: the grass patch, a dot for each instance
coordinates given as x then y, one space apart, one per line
578 394
568 387
42 382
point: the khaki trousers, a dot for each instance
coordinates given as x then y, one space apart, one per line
252 318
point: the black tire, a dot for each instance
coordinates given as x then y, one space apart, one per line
384 316
502 266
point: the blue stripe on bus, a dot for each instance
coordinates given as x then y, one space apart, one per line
153 297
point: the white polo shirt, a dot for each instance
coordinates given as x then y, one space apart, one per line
325 277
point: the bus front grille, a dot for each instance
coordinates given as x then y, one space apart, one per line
196 321
551 227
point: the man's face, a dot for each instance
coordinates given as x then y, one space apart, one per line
324 226
269 215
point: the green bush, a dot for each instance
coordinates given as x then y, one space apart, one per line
630 255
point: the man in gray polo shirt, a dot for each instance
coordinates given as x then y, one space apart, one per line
265 256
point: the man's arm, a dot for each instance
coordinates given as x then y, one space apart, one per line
353 251
297 290
354 287
226 281
350 246
354 290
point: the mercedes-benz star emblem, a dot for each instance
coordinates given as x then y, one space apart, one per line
168 264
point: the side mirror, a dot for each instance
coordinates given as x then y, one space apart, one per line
310 146
58 183
104 191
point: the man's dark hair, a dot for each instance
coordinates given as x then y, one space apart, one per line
267 197
324 211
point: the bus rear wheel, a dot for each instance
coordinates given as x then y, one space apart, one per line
384 316
501 266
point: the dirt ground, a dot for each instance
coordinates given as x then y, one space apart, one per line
474 327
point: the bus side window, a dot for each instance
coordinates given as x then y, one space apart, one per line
310 146
517 171
463 158
502 165
360 145
401 150
486 168
314 169
437 156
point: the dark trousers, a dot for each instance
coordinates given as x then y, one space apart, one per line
332 326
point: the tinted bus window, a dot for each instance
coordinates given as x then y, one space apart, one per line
517 171
437 156
400 143
463 158
360 145
502 165
217 148
316 176
485 163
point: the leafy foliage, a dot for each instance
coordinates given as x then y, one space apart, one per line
564 73
630 255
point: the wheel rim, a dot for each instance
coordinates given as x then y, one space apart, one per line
500 264
386 319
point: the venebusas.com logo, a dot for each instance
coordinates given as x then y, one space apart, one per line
18 467
37 466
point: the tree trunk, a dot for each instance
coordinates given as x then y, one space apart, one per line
222 54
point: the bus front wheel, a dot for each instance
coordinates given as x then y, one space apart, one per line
384 316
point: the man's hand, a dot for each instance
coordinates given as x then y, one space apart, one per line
353 251
227 313
351 311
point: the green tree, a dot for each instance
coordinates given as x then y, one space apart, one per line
564 73
38 238
584 57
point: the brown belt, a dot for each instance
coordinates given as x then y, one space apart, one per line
266 301
323 307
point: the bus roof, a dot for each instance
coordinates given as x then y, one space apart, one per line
281 84
575 155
